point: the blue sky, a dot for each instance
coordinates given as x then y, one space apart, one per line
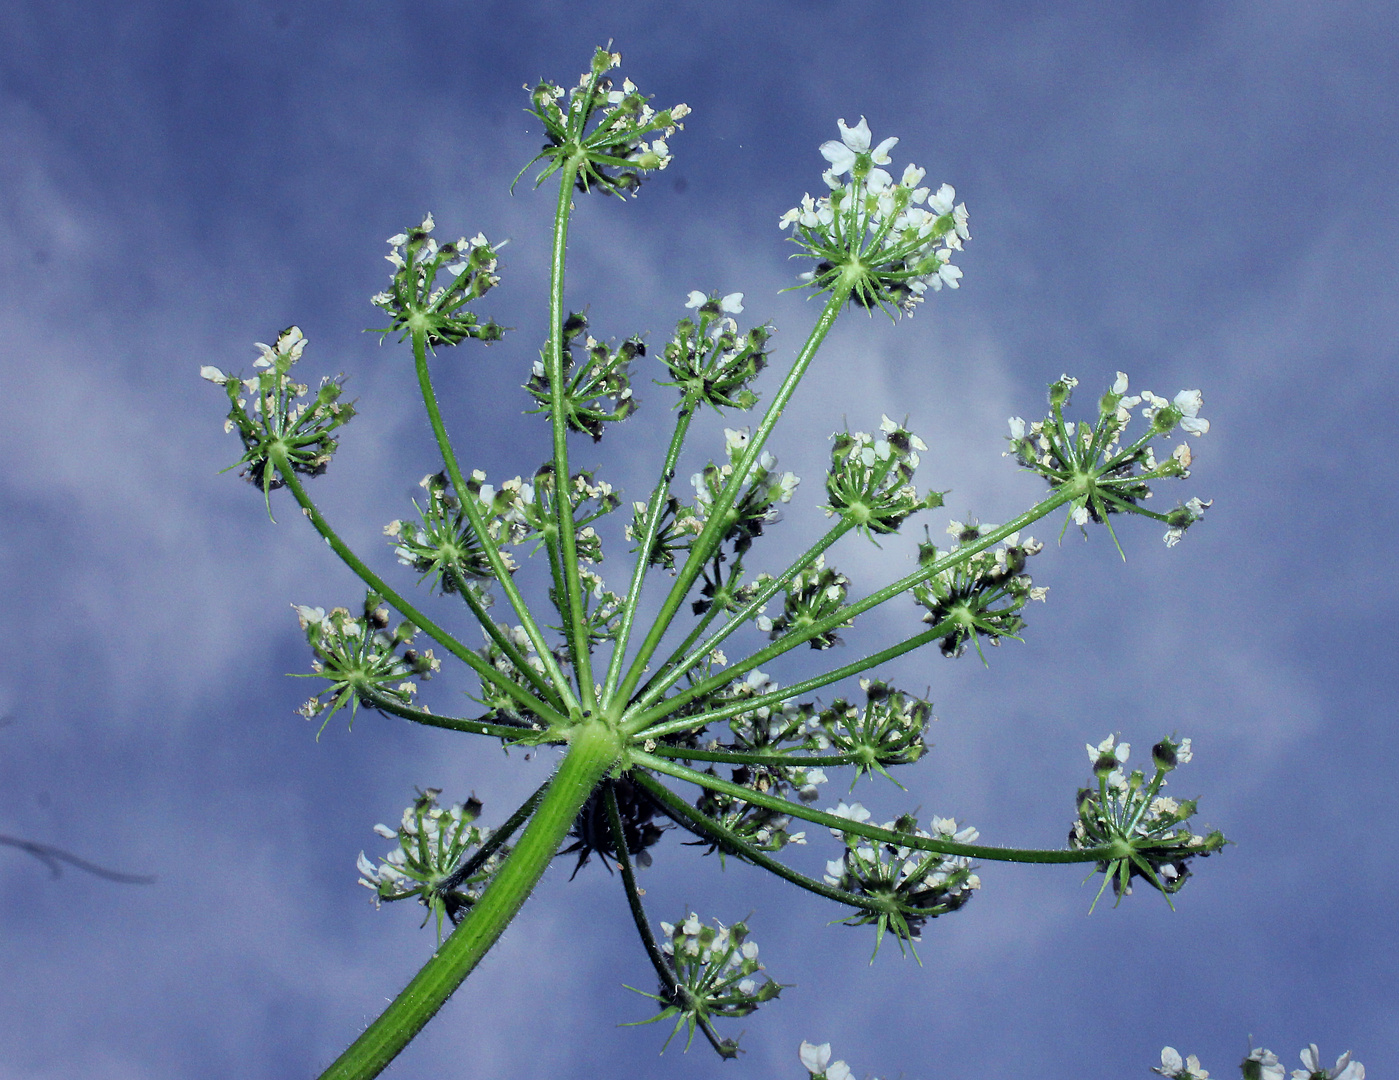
1201 195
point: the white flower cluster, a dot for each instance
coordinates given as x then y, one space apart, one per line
982 595
301 429
433 842
812 594
1061 450
1262 1064
716 965
756 506
869 479
617 149
415 297
461 250
709 361
922 884
887 731
1128 809
355 654
905 232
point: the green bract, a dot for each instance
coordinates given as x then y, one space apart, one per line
655 688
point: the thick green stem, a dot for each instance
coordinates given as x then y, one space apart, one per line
593 750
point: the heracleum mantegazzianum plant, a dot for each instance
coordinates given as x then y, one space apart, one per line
638 705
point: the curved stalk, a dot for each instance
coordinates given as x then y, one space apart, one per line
702 826
500 729
874 832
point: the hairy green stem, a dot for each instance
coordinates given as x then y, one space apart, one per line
592 752
503 643
507 731
783 761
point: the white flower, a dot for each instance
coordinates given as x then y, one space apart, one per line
1270 1068
1197 508
308 615
946 274
1111 746
732 303
854 141
1345 1068
814 1058
1189 402
696 298
1017 428
853 812
213 374
1171 1065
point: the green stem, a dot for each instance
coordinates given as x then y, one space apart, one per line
575 620
508 647
728 839
478 524
665 679
740 757
510 732
593 750
713 531
644 542
521 696
849 612
667 669
497 838
785 693
874 832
